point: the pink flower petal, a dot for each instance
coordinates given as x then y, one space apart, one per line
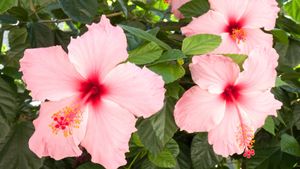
108 132
224 136
99 50
261 13
230 8
198 110
213 72
49 74
209 23
140 91
176 4
255 38
259 70
258 106
45 142
227 46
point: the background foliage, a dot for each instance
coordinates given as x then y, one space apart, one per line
154 40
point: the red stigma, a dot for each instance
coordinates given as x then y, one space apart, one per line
231 93
91 90
235 30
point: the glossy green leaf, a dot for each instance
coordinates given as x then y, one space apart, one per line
265 157
80 10
17 38
290 145
202 154
146 36
41 35
292 9
269 125
7 4
194 8
157 130
174 90
123 6
169 71
200 44
145 54
184 160
291 58
8 19
171 55
14 151
280 36
8 100
238 59
167 157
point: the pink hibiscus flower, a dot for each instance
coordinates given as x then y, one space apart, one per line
176 4
93 100
229 105
238 22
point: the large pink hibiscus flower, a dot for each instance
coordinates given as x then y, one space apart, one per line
228 104
238 22
93 101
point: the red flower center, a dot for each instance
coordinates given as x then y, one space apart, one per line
91 90
236 31
231 93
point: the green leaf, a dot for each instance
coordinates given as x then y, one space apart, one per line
287 25
8 101
8 19
82 11
145 54
171 55
238 59
146 36
200 44
296 116
167 157
194 8
41 35
4 127
290 145
157 130
291 58
184 158
202 154
266 157
168 70
269 125
292 9
174 90
124 7
7 4
90 165
17 38
19 13
280 36
14 151
62 38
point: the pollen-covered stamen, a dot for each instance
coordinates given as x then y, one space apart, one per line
238 35
66 119
245 140
245 133
249 151
235 29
